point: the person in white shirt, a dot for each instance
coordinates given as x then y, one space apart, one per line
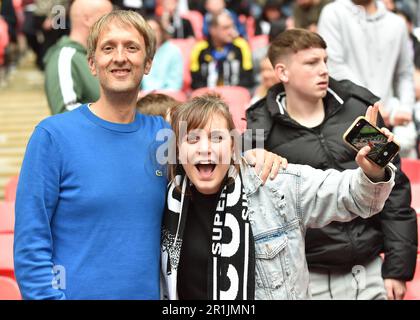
369 45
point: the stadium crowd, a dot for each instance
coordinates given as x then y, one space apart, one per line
301 70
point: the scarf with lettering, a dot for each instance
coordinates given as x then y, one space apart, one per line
231 263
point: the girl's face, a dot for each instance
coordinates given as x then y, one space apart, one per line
206 154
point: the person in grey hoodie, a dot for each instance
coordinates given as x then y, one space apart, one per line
369 45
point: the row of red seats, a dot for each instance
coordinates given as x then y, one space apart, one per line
9 289
237 98
411 167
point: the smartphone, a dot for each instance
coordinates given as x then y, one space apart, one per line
362 133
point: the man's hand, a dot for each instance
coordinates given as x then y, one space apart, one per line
265 163
372 171
395 289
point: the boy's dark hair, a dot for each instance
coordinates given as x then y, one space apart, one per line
157 104
292 41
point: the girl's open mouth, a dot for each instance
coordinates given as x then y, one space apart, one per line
205 169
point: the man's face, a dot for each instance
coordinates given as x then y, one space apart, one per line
119 61
268 76
306 73
225 31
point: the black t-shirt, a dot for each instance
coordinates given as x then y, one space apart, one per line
195 252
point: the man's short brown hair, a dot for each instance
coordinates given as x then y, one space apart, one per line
292 41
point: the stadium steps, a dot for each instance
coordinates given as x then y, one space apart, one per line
22 106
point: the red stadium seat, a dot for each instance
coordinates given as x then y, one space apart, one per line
415 197
10 190
177 95
9 290
196 19
413 287
186 46
6 255
4 39
257 42
418 233
411 167
7 217
238 99
250 26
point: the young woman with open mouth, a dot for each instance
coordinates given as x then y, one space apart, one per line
226 235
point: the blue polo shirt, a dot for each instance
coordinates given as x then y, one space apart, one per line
89 207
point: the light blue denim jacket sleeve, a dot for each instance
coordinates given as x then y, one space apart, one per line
301 197
326 196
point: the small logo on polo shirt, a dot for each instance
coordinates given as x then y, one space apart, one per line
159 173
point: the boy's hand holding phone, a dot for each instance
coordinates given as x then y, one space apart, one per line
373 170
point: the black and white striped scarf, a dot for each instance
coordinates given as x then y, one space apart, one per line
231 270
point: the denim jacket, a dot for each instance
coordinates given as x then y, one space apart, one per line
280 211
302 197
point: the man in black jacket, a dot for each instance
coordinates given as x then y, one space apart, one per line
304 118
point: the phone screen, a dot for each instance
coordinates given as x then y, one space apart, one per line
364 134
